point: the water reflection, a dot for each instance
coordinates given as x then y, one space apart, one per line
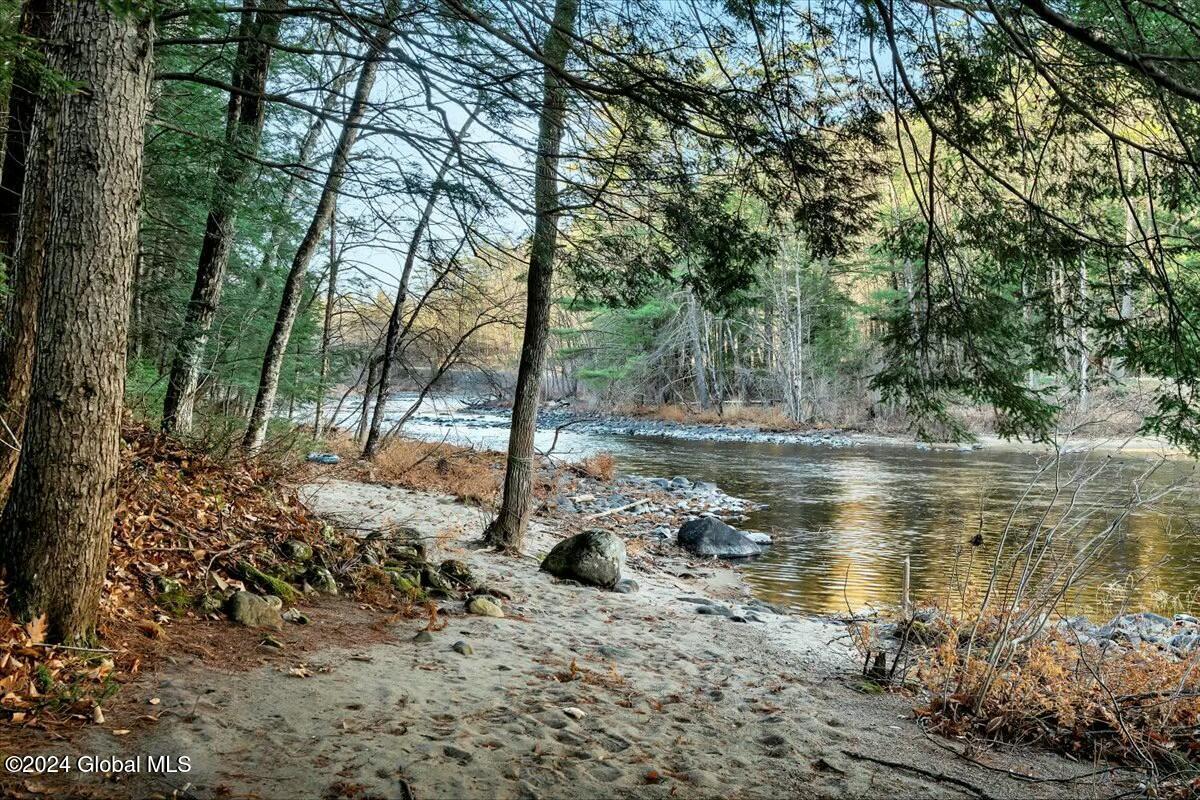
843 520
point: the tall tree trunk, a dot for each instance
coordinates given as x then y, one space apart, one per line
364 416
327 322
392 339
293 287
699 362
23 182
243 130
1084 354
36 18
507 531
58 522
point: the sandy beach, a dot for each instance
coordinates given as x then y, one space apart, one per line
575 693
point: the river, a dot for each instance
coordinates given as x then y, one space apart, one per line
843 519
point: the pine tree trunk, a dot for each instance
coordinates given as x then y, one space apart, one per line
23 181
507 531
293 287
58 522
243 129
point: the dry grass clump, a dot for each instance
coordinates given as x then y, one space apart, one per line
474 476
1139 705
600 467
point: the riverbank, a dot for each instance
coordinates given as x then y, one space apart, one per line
604 423
574 692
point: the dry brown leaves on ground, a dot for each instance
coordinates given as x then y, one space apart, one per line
184 515
36 678
184 522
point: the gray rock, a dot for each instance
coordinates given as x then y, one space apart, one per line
1186 619
593 557
704 487
626 586
297 550
680 482
714 610
274 602
758 537
463 648
1133 628
322 580
423 637
1184 643
295 616
253 611
661 483
708 536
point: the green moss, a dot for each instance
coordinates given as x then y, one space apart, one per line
268 583
175 602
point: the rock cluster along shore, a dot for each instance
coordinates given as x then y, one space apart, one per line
1178 636
607 424
636 426
657 508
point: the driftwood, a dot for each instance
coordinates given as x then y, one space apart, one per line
625 507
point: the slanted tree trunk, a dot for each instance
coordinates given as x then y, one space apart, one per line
392 338
293 287
304 155
23 181
507 531
58 522
243 129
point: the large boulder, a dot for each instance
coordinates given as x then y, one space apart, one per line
593 557
708 536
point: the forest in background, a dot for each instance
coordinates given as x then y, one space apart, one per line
988 286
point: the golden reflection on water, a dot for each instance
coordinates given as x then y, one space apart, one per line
844 520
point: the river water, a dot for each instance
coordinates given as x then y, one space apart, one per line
843 519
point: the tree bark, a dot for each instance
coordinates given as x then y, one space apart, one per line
243 129
392 338
293 287
58 523
327 322
507 531
23 182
